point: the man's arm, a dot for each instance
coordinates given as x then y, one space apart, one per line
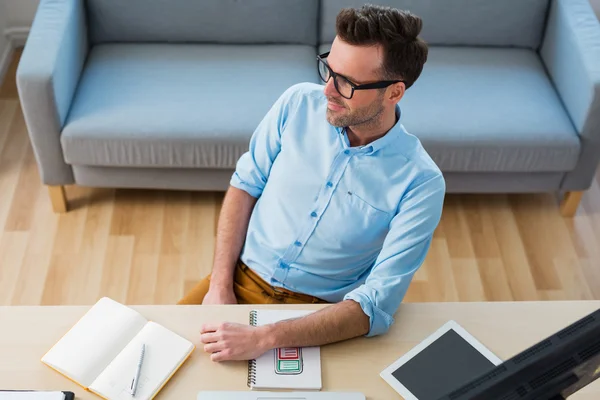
335 323
332 324
404 250
231 233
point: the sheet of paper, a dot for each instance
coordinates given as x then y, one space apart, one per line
271 316
165 351
94 341
287 368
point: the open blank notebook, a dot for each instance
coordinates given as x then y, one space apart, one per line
288 368
101 352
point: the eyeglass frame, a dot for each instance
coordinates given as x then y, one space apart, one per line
354 86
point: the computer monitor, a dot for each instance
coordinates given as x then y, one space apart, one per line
552 369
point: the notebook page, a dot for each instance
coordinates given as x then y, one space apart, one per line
91 344
165 352
287 368
271 316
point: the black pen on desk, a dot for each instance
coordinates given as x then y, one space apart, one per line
136 378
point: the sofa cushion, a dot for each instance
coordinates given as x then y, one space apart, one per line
177 105
489 110
481 109
203 21
460 22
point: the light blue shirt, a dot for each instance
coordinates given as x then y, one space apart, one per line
334 221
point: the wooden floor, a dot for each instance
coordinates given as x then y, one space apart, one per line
149 247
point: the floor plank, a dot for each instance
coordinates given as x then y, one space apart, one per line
12 252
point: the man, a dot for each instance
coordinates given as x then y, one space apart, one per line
334 201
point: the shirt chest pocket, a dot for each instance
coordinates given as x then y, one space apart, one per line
350 220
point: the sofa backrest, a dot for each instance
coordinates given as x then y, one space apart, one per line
505 23
206 21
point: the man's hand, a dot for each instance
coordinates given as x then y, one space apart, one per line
219 295
228 341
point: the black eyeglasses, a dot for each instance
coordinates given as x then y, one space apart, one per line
343 85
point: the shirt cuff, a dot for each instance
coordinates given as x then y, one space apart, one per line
380 321
237 182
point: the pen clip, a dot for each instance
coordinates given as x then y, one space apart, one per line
131 386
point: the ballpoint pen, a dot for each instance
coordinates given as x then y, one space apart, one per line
134 381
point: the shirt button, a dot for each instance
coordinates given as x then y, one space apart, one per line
297 243
313 214
329 184
346 152
283 265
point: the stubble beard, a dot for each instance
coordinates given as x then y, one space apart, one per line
365 117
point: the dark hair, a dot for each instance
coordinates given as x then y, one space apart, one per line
395 30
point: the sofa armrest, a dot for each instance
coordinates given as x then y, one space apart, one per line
571 53
47 77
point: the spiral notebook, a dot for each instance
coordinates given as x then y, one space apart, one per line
297 368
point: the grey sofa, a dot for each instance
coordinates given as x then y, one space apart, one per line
166 93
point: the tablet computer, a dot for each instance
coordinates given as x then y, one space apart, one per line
439 364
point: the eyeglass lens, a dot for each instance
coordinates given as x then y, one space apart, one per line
342 85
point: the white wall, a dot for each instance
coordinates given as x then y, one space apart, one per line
4 53
20 12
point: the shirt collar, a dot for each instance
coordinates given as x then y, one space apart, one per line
383 141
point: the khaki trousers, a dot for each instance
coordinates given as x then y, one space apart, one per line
249 288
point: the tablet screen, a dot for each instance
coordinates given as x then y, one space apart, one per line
446 364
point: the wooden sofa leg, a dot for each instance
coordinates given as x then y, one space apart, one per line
570 203
58 198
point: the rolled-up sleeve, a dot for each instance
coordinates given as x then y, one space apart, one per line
403 252
253 168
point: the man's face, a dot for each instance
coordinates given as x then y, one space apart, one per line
360 65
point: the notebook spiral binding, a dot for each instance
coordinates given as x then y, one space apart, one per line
252 363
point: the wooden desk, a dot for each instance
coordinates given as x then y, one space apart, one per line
26 333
